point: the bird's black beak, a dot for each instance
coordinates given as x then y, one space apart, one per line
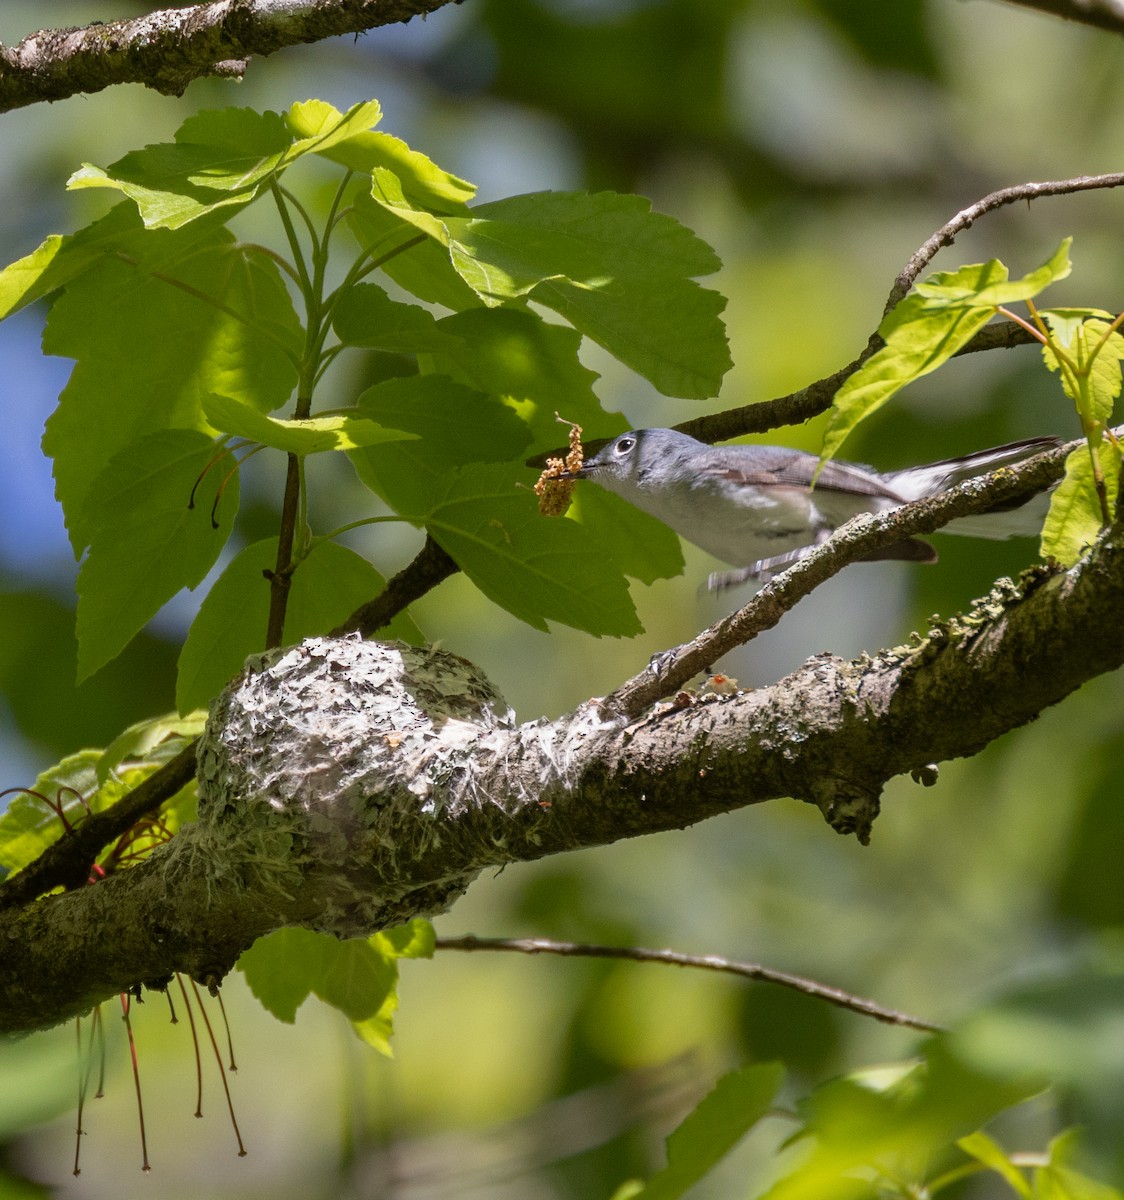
582 473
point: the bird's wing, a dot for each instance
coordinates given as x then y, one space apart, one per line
777 466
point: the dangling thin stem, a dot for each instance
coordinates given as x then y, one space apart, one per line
229 1040
195 1043
126 1002
222 1069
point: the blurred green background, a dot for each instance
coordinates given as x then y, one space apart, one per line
815 145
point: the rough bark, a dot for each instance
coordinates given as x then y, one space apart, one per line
348 785
168 48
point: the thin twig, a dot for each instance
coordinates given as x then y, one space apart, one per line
281 577
704 962
967 217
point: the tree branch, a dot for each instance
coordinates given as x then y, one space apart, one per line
348 786
705 962
431 566
167 49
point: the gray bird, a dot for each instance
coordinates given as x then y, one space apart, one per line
754 506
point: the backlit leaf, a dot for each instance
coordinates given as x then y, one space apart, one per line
1075 518
146 543
148 353
941 315
313 435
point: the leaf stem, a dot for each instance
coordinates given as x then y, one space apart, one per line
299 264
334 533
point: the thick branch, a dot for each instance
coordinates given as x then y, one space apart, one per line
167 49
348 786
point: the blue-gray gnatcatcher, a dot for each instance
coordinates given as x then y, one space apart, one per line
754 507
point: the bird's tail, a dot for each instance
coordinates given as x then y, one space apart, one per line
915 482
1022 518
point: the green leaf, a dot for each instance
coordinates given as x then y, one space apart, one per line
1065 322
1095 354
927 328
78 786
618 272
377 1030
220 159
538 568
920 341
28 826
322 129
454 426
533 365
313 435
420 267
148 353
366 316
145 542
329 585
356 979
738 1101
415 939
153 742
1059 1181
642 547
419 178
987 1151
60 259
33 276
986 284
905 1113
1075 518
283 967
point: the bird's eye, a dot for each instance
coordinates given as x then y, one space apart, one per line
624 445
